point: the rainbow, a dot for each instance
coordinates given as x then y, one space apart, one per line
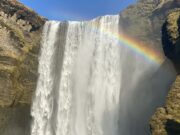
136 46
139 48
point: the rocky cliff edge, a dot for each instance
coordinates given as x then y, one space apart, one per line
166 120
20 33
20 29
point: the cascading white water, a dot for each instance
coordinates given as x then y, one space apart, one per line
82 87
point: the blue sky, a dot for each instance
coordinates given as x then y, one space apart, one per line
76 9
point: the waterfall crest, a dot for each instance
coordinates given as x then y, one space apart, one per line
85 80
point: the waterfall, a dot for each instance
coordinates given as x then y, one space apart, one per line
89 84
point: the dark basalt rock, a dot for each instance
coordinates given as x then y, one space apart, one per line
166 121
172 127
171 37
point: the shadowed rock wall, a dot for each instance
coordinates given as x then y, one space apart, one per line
157 22
166 120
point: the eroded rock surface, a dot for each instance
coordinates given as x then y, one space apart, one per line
171 37
166 120
144 21
20 33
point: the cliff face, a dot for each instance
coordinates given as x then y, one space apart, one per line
154 23
166 121
171 37
20 32
144 20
